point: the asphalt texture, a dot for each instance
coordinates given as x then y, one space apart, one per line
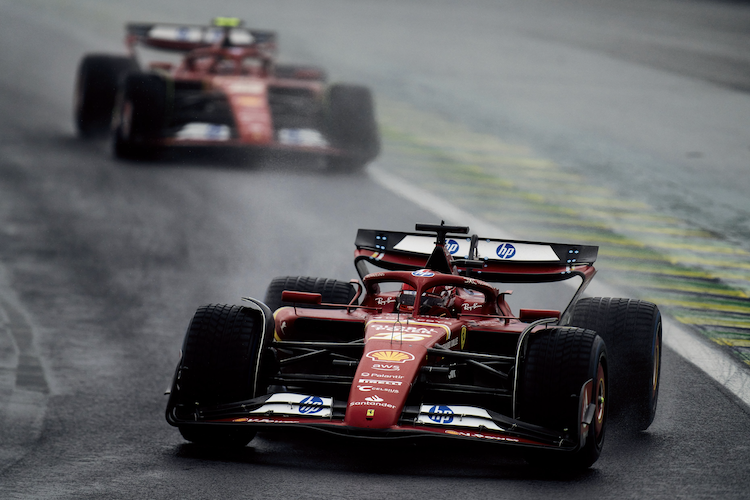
103 262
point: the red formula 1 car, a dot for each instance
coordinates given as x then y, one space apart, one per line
225 91
427 347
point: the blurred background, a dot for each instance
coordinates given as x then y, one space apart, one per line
623 124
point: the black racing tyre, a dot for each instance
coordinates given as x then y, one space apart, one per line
351 126
632 330
141 114
332 291
297 72
97 82
557 365
222 362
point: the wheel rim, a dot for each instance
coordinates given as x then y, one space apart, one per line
657 366
657 359
126 122
600 401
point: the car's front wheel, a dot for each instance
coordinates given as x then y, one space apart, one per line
97 82
222 362
563 386
140 115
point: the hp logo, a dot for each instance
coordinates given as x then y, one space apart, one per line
311 404
441 414
506 251
452 246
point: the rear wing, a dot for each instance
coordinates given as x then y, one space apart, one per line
491 259
185 37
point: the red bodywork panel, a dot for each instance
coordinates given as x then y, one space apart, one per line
397 337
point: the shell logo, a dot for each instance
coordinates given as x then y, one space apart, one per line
390 356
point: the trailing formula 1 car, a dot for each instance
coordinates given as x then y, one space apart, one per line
227 91
425 346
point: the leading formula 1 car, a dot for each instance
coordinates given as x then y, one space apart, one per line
227 91
425 347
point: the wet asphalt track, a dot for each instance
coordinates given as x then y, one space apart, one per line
103 262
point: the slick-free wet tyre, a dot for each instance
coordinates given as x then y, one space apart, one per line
97 83
632 330
331 291
563 387
222 360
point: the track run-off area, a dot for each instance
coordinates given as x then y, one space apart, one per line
696 277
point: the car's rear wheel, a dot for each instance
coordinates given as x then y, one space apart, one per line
351 126
632 330
140 115
97 81
331 291
564 372
222 362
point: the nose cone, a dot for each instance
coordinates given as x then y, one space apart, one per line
381 386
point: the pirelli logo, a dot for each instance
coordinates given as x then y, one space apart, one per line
378 381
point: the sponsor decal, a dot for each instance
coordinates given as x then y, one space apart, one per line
373 400
452 246
458 416
407 329
265 421
369 388
401 337
385 300
380 375
471 281
481 436
463 337
453 343
295 404
470 307
252 101
311 405
244 87
302 137
203 131
386 367
390 356
370 412
381 382
441 414
505 251
423 273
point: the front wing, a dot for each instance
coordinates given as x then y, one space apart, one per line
289 410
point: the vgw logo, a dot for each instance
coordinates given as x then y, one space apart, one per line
311 404
506 251
452 246
441 414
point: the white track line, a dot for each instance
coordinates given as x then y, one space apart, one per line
710 358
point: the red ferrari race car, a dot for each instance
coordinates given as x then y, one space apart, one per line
224 90
425 346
